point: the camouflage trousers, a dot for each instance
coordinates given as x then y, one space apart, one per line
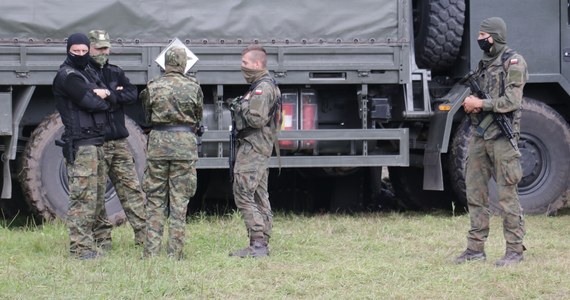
495 158
169 185
123 175
251 173
86 214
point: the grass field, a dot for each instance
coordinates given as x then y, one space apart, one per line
365 256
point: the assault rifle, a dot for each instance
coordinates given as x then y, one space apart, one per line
233 137
233 147
200 129
501 120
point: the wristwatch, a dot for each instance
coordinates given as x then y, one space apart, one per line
107 92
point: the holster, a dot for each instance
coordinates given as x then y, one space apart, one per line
68 150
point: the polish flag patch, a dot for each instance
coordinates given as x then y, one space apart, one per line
514 61
258 92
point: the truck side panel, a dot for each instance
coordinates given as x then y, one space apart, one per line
531 30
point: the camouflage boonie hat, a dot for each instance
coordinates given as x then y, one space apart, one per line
175 56
99 39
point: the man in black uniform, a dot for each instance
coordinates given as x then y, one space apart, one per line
82 106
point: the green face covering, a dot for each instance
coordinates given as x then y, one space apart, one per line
101 59
252 75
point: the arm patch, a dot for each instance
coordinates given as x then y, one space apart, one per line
515 76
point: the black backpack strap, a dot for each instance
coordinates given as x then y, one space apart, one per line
506 56
505 61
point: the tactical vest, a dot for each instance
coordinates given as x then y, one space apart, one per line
485 119
80 124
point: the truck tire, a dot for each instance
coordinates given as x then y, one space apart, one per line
43 175
408 187
438 28
545 147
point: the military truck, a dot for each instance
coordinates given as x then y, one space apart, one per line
366 84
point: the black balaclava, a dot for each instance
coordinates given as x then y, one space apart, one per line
78 39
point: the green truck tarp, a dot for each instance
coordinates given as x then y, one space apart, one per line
212 22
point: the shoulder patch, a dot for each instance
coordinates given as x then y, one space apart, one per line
514 61
258 91
515 76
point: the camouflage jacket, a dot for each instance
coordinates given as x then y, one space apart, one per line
504 82
172 99
254 117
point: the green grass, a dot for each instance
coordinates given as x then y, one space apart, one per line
365 256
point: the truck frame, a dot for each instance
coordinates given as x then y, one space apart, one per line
367 86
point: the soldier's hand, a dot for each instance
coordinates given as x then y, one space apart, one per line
102 93
472 104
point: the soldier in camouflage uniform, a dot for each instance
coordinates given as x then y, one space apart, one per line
502 74
119 159
82 107
255 119
173 106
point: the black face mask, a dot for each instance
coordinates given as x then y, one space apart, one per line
79 61
484 44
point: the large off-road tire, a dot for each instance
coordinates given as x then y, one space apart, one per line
545 147
408 187
43 174
438 29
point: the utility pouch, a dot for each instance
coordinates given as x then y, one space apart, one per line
484 124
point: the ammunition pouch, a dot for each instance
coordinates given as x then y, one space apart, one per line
485 121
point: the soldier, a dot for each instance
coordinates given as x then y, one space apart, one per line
255 120
173 106
502 74
82 106
119 159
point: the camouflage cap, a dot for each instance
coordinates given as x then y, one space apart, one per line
99 39
176 56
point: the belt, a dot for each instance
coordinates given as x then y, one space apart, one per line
242 134
174 128
98 141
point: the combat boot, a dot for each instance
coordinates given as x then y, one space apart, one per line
510 258
242 252
257 248
140 237
470 255
105 244
176 256
88 255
